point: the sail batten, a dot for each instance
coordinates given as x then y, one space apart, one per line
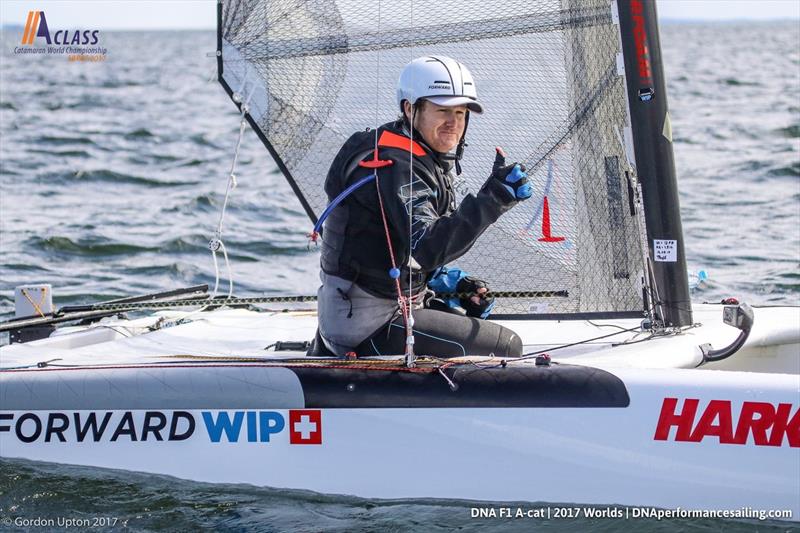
427 35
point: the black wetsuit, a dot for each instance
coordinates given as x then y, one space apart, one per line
355 247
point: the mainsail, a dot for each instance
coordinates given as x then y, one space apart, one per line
551 76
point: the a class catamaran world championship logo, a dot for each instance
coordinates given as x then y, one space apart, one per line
76 45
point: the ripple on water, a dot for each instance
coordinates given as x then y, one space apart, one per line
791 132
26 267
272 248
734 82
117 84
175 269
139 133
791 170
82 154
201 140
205 203
85 247
61 139
189 163
185 244
143 158
111 176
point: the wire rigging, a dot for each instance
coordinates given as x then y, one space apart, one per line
410 356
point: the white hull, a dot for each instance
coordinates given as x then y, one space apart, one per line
726 458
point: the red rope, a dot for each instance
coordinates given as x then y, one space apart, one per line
238 364
401 300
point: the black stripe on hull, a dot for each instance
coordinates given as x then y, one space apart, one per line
510 386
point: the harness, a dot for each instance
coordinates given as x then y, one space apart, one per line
387 139
352 237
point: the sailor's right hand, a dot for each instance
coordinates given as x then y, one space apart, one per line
513 177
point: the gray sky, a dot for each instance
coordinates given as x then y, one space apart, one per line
196 14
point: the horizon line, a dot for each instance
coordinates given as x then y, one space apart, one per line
12 26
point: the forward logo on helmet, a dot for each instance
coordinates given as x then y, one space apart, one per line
442 80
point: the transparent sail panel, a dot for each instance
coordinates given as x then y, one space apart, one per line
312 73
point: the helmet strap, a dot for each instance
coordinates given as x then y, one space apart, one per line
408 123
415 107
461 145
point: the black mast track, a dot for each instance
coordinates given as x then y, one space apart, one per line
655 164
219 40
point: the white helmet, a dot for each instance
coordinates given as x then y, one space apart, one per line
442 80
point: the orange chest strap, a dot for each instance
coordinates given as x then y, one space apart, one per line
392 140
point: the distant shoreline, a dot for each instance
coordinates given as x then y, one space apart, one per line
670 21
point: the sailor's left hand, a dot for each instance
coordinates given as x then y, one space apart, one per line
473 297
513 177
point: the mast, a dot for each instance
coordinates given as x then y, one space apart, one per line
655 164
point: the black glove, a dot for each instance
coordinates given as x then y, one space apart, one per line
513 177
468 288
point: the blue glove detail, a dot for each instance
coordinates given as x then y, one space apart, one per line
456 281
472 289
445 281
521 191
513 177
488 310
525 191
516 174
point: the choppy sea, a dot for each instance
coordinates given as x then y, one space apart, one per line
111 181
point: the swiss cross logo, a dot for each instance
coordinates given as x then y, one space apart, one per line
305 426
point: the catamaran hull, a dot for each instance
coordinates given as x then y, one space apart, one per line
679 438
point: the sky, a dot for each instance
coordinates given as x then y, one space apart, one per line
201 14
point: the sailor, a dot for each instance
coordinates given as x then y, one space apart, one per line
396 226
